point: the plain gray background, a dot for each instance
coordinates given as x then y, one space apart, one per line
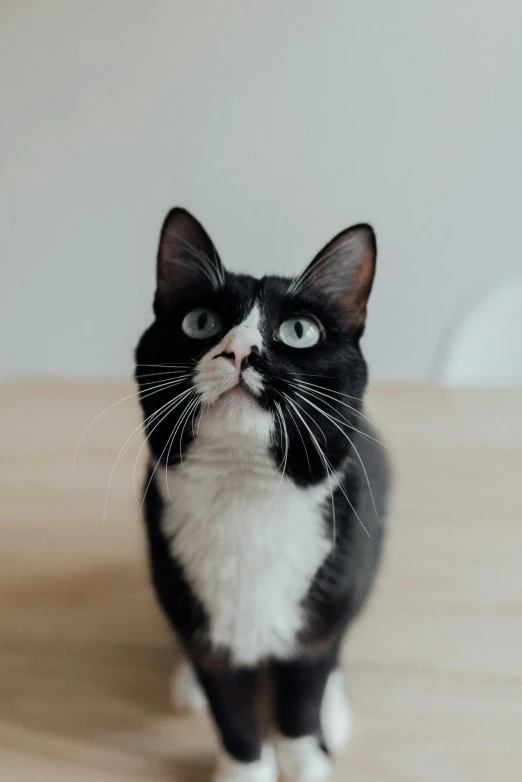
278 124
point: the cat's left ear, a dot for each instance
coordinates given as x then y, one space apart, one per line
187 260
344 271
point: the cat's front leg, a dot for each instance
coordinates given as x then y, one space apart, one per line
233 698
313 717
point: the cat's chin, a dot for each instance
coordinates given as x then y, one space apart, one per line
237 403
237 411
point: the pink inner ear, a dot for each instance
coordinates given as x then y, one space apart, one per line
186 256
345 271
355 299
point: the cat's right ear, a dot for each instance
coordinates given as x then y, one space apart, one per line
187 258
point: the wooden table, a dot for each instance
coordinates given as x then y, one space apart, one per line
434 666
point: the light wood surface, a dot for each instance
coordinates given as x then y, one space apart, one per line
434 666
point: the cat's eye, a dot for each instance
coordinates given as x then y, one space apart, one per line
201 323
299 332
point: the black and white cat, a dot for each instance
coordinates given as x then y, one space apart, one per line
266 490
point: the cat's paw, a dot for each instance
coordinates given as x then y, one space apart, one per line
186 693
336 714
262 770
302 760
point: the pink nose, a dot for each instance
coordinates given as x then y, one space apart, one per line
238 352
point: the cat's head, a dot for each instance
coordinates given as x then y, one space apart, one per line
273 357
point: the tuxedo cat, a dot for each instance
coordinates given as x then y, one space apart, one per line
266 490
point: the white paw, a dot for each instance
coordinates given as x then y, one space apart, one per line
336 714
186 693
262 770
302 760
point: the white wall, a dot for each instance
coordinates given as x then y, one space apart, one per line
278 124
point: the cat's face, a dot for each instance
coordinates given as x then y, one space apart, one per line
274 357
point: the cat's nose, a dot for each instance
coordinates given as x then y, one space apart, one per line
239 353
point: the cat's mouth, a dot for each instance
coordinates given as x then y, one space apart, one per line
239 390
216 382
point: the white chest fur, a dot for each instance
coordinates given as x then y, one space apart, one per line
249 542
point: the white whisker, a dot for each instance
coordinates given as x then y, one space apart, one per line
191 406
161 386
285 458
301 436
348 423
335 476
330 418
166 366
322 456
174 378
354 409
182 396
131 439
169 439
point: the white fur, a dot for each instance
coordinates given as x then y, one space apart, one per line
262 770
302 759
249 540
253 321
216 375
336 714
185 691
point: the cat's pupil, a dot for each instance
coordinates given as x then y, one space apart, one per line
298 327
202 321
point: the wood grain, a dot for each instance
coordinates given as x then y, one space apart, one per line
434 666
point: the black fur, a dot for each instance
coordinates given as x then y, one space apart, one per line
336 375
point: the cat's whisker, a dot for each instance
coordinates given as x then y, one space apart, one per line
287 443
298 375
281 441
328 391
132 438
347 422
300 435
170 442
193 422
161 386
285 458
178 400
161 413
162 371
330 418
175 379
322 456
286 396
341 487
166 366
316 374
181 397
183 429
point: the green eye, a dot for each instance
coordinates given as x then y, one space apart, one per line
299 332
201 323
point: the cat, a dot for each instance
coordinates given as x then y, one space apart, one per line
266 491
